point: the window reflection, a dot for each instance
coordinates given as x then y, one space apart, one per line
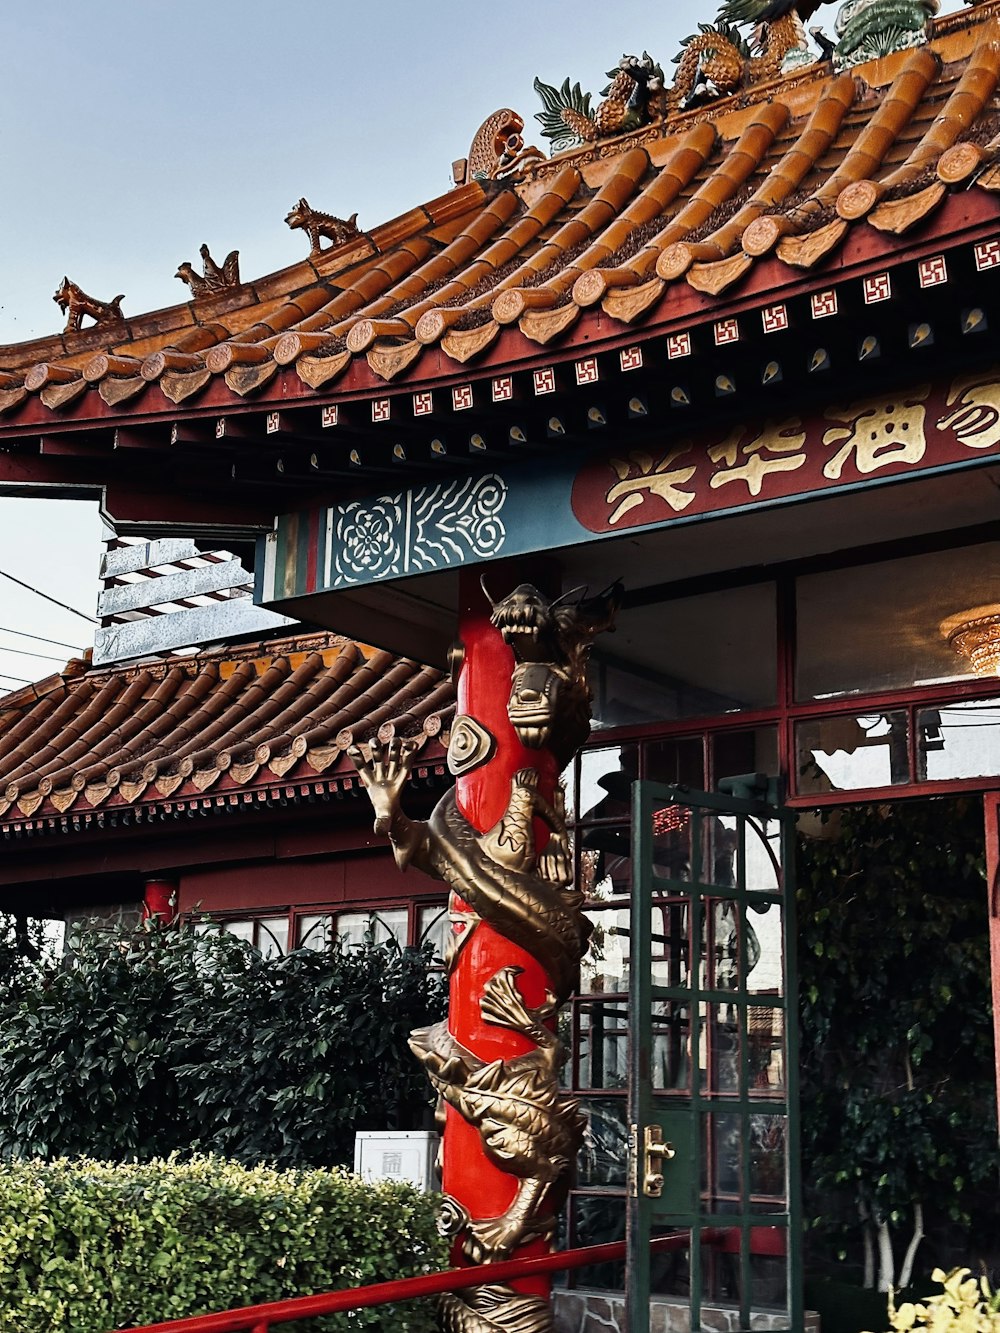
606 778
605 967
851 753
433 928
314 931
720 656
378 927
961 740
877 627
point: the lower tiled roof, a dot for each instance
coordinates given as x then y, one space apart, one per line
226 727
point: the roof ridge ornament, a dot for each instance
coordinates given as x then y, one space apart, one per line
213 278
871 28
633 98
720 60
498 150
320 226
74 302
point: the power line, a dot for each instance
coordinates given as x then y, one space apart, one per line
20 679
24 652
40 638
72 609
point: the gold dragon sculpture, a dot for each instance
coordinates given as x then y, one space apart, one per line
527 1126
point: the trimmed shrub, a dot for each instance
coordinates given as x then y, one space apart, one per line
90 1246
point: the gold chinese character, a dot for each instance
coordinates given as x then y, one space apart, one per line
878 433
641 475
785 438
976 419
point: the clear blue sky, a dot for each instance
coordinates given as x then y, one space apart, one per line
135 131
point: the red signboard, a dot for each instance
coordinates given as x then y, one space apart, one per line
881 436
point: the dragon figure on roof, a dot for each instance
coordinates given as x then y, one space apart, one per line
719 60
720 57
750 42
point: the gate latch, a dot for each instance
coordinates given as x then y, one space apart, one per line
655 1153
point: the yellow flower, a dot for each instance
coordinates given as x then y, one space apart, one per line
905 1317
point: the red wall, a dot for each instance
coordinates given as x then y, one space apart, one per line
365 877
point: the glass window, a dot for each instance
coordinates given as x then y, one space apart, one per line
604 970
766 1044
388 923
601 1054
314 931
605 862
603 1156
433 927
240 930
737 752
852 753
606 778
692 657
272 936
878 627
677 762
598 1218
268 934
961 740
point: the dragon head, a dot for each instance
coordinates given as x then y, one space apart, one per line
549 701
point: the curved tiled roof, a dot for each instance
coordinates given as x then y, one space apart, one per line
226 727
597 237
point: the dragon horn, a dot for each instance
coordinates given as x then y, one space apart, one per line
582 589
486 591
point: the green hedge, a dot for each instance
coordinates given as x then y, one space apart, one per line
88 1246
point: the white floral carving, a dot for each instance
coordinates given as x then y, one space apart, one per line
370 537
430 528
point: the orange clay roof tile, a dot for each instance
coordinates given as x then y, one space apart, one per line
779 172
246 718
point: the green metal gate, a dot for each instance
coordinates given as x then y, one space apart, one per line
713 1058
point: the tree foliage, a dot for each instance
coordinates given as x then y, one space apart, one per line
150 1043
898 1107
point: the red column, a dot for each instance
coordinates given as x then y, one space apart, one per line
159 902
483 690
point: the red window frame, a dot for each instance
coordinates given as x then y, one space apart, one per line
295 911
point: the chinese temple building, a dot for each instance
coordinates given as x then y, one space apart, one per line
730 344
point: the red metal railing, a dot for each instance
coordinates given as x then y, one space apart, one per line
260 1318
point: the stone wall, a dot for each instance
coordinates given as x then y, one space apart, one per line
585 1311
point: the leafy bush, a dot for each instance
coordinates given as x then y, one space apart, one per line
151 1043
88 1246
898 1119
